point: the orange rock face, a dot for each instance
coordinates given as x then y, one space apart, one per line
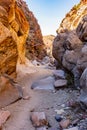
13 33
34 45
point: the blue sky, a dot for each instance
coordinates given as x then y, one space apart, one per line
49 13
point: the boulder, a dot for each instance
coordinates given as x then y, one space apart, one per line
44 84
66 49
59 74
82 61
83 84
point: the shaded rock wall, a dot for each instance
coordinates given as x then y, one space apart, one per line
34 45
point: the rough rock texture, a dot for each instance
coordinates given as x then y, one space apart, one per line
34 45
70 49
14 30
13 33
70 44
83 84
73 18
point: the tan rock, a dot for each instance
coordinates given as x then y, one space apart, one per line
65 123
39 119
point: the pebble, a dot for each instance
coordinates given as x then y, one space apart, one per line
61 111
58 118
64 123
60 83
38 119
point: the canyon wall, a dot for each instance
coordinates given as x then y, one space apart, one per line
34 45
14 30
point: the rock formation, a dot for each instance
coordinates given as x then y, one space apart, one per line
34 45
70 44
14 30
73 18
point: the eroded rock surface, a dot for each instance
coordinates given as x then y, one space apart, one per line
13 33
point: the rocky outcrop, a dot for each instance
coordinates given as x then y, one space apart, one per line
34 45
70 46
13 33
71 52
73 18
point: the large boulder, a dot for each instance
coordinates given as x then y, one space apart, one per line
66 49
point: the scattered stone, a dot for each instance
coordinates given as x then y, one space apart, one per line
59 74
63 105
61 111
60 83
64 123
39 119
73 128
72 103
44 84
58 118
41 128
4 115
74 123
